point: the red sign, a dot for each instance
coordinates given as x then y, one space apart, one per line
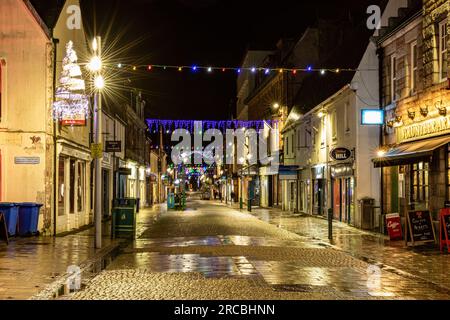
394 226
444 229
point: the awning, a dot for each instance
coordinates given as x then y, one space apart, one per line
412 152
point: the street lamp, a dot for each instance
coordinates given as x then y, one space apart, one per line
95 66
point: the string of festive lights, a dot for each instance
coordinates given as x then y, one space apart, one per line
167 126
238 70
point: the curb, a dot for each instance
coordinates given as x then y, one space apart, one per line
89 269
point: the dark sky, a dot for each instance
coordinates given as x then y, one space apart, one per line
198 32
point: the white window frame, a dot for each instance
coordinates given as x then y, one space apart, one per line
393 76
414 66
3 89
442 29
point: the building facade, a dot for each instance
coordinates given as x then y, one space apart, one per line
26 125
414 156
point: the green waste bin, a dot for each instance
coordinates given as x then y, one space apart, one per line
123 222
127 203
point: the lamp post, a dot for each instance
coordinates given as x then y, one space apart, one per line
95 67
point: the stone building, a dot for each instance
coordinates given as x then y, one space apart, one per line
414 156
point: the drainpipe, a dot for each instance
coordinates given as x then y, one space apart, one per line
55 123
380 54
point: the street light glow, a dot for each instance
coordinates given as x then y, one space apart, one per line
95 64
276 106
99 82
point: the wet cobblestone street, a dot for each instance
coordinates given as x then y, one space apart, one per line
211 251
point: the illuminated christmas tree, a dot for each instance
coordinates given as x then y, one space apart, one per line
72 104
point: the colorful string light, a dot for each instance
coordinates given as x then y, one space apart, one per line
238 70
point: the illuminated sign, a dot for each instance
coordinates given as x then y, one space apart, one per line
424 129
372 117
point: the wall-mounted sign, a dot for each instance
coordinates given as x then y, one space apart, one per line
124 171
27 160
424 129
96 150
113 146
340 154
372 117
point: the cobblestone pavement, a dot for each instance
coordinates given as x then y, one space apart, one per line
28 265
425 262
214 252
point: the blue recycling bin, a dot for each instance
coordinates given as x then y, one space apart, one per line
11 212
28 218
170 201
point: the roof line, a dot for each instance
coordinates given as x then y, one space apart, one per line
38 18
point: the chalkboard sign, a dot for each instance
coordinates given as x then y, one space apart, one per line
420 229
444 229
3 229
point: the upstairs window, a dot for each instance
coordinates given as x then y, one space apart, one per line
414 67
2 62
393 78
443 40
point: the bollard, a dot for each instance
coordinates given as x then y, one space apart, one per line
330 224
241 203
249 205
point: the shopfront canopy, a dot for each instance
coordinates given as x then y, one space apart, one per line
412 152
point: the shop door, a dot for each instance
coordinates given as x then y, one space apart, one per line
337 192
319 196
105 193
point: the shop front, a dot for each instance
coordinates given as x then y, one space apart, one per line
73 189
416 170
343 190
319 189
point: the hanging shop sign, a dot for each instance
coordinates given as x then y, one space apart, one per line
444 229
113 146
419 228
424 129
340 154
394 226
124 171
77 120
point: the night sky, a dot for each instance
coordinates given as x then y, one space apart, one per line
199 32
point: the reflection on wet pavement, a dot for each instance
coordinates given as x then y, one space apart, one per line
221 243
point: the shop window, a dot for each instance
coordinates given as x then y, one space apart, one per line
443 40
72 186
414 67
61 186
448 172
420 184
81 184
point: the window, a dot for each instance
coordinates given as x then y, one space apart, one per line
334 125
61 186
72 186
1 87
346 114
420 183
443 40
287 145
448 172
292 144
393 78
414 65
80 186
